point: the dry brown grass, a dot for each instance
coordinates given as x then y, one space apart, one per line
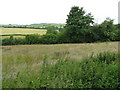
73 51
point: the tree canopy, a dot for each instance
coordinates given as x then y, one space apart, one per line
77 23
77 16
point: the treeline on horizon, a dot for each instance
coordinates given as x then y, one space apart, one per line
80 28
34 26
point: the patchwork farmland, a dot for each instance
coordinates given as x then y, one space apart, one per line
20 32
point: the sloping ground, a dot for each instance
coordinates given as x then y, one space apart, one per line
24 31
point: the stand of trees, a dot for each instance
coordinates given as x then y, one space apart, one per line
79 28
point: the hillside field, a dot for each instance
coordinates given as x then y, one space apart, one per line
22 63
21 31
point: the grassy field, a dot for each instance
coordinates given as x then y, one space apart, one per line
40 25
44 25
22 64
22 31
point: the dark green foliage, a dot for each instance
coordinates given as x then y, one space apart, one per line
72 33
86 35
52 29
32 39
117 32
19 41
7 41
78 28
98 73
77 20
106 31
48 39
117 35
62 38
77 16
13 41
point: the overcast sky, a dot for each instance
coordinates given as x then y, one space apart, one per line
53 11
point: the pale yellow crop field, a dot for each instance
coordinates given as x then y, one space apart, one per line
9 31
3 37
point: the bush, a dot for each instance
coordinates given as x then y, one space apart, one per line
48 39
32 39
101 71
62 38
94 72
52 29
18 41
7 41
117 35
106 57
13 41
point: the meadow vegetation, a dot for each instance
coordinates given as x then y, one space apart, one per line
61 66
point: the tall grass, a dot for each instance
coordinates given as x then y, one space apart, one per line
99 71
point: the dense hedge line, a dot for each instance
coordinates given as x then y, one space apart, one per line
34 26
96 33
59 38
31 39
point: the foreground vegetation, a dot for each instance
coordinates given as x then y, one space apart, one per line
61 66
94 72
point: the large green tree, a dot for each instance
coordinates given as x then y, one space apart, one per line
105 30
77 16
76 21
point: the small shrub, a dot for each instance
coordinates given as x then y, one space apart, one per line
48 39
90 73
106 57
32 39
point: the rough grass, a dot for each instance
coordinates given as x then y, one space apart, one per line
26 65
